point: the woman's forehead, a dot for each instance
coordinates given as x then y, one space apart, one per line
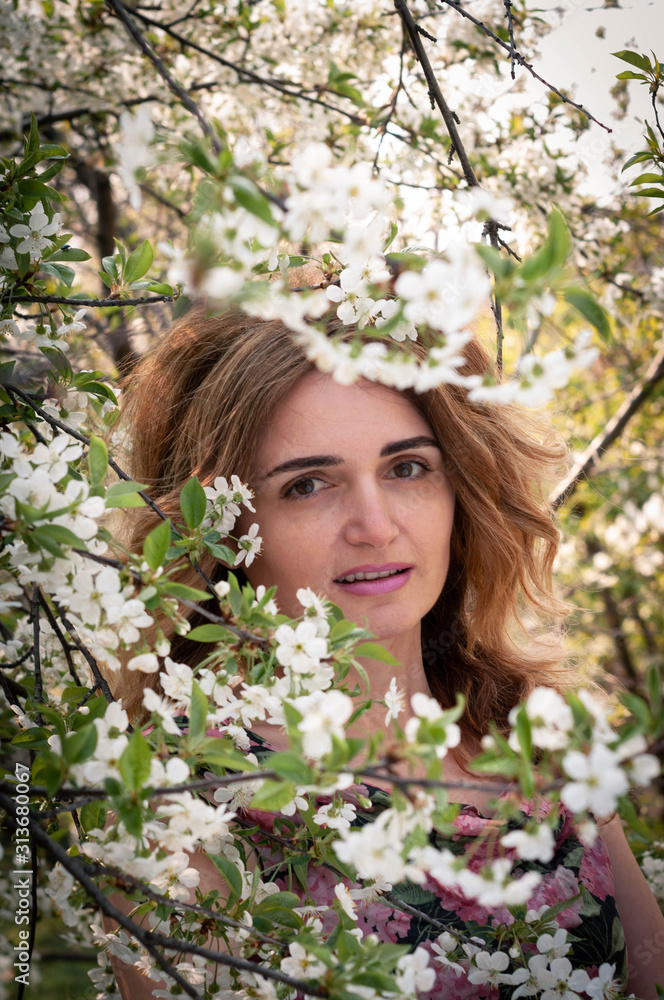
320 413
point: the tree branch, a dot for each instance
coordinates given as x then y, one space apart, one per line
61 300
522 62
241 72
151 939
613 429
147 50
435 93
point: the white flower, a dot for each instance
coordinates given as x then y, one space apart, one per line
550 719
604 986
537 846
35 237
395 701
250 546
147 663
128 618
315 609
442 946
414 973
598 782
300 648
553 945
336 817
346 900
165 710
489 968
132 149
526 979
301 964
445 295
325 715
176 681
429 710
560 980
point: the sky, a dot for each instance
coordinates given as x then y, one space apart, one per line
574 56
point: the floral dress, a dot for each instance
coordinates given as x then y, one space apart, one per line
576 869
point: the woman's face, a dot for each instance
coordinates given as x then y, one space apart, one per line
349 481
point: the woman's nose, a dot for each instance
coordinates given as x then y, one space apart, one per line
370 519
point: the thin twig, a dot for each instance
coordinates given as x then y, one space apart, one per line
39 686
82 648
435 93
613 429
242 72
61 300
510 29
66 649
17 663
151 939
147 50
177 905
76 869
522 62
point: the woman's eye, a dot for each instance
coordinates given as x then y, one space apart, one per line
408 470
304 487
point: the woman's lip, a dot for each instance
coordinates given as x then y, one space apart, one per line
382 585
386 568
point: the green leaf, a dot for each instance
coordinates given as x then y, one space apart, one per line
160 288
134 763
70 253
634 59
647 179
93 816
48 770
209 633
637 158
193 503
197 712
157 544
77 747
60 362
31 738
183 591
654 681
629 74
590 309
97 460
124 487
220 552
290 765
273 795
552 254
181 306
278 900
650 193
249 197
125 500
52 536
230 873
122 253
341 629
36 190
6 371
373 651
60 271
139 262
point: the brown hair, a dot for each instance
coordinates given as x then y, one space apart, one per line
197 405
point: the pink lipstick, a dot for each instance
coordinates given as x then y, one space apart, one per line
381 579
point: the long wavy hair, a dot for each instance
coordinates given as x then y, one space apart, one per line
197 405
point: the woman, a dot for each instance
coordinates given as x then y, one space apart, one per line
423 518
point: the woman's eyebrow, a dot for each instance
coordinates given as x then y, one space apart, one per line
323 461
